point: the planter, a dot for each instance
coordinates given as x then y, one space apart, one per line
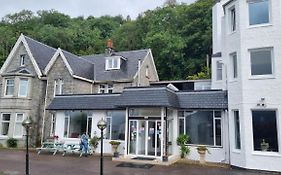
114 146
202 155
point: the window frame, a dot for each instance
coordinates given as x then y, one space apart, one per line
110 63
219 69
277 132
60 84
6 87
53 125
214 127
1 123
19 122
271 49
236 146
269 13
234 70
27 88
22 59
106 89
232 19
108 116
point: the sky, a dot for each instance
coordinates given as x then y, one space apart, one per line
84 8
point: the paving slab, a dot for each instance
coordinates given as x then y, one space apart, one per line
12 162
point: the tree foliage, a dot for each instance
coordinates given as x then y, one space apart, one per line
178 34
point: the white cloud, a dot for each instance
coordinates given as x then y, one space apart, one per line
85 8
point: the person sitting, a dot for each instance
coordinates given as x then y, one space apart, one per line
84 144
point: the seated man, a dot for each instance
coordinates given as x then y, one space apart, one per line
84 144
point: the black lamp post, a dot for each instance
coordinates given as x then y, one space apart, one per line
27 125
101 125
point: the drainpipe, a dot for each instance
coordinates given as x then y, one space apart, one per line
139 73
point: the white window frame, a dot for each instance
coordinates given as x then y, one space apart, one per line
53 125
217 70
68 126
269 13
22 60
18 122
27 88
110 132
232 19
232 56
1 122
6 85
109 63
271 59
214 128
235 129
60 83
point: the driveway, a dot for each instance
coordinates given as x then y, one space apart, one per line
13 163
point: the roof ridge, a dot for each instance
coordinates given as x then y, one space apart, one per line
102 54
40 42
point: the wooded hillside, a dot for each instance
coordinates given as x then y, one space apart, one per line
180 36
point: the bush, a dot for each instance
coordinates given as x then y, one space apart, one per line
12 143
182 141
95 141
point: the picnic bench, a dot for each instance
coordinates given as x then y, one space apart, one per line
74 148
50 146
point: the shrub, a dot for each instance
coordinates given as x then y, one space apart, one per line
182 141
95 141
12 143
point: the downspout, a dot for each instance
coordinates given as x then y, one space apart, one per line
44 113
139 73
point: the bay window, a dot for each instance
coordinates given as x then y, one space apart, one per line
23 87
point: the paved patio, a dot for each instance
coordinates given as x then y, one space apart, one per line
13 163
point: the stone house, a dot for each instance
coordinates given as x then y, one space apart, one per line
34 73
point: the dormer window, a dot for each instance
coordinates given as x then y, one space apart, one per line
112 63
22 60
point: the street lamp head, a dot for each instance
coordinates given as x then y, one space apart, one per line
101 124
27 123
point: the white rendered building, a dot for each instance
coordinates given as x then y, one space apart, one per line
246 51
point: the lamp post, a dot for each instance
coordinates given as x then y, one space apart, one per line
27 125
101 125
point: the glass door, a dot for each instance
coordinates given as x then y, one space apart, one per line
141 137
151 139
133 137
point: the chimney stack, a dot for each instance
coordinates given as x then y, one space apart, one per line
109 49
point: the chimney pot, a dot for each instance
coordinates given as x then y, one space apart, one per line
110 44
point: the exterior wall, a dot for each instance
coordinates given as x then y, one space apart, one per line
152 73
96 116
32 105
70 86
245 92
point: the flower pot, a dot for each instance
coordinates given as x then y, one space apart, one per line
202 155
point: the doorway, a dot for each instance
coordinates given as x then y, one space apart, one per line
145 138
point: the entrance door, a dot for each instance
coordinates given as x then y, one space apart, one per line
145 137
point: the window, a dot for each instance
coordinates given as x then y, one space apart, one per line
219 70
10 84
58 87
234 65
75 125
53 125
237 130
232 13
23 87
203 127
22 60
106 88
261 61
147 72
18 130
265 130
115 129
112 63
5 123
258 12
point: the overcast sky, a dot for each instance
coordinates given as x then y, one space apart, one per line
84 8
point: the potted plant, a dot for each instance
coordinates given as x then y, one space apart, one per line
115 145
202 149
182 141
264 145
94 143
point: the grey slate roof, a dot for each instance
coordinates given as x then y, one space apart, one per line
143 97
127 71
42 53
203 100
80 66
155 97
84 102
